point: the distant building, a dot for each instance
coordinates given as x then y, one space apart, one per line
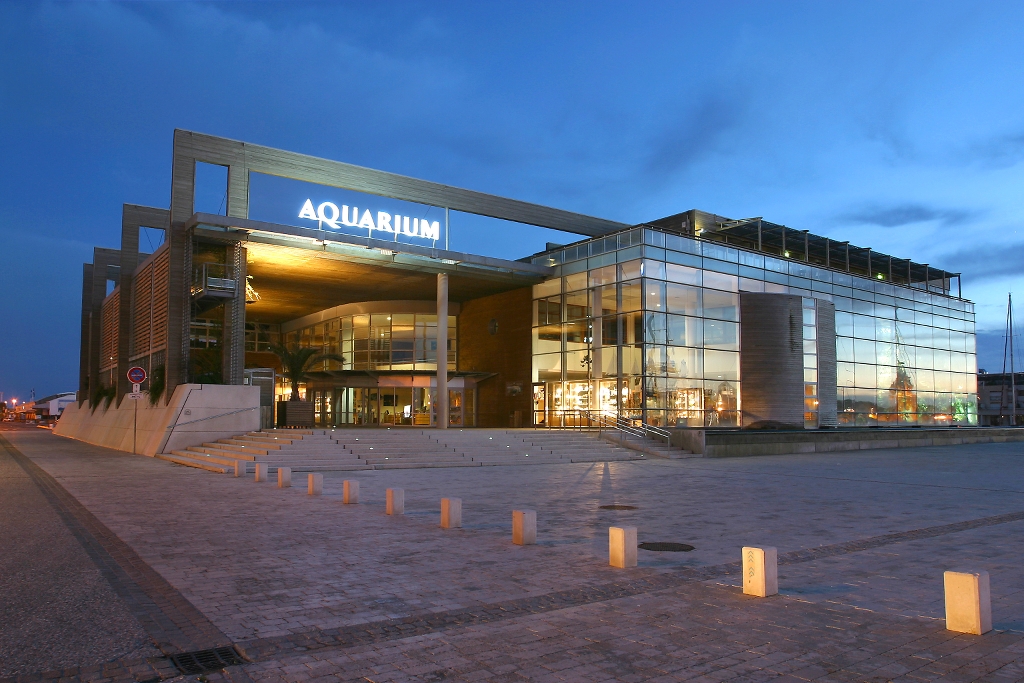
995 402
50 407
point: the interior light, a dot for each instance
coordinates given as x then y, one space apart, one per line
786 254
880 276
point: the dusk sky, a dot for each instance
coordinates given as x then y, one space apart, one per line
896 126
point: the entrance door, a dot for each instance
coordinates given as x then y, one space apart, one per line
366 406
455 408
323 408
539 405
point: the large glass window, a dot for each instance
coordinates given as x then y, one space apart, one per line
658 338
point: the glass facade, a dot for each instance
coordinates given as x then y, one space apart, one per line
645 324
382 343
378 341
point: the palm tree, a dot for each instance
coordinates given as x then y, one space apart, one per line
296 363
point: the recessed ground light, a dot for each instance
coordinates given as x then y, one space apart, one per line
617 507
660 547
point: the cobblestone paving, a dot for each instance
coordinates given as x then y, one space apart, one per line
306 586
56 609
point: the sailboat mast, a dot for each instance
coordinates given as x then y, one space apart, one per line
1013 377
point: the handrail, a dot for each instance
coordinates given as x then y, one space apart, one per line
640 430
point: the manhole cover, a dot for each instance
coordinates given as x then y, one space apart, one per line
191 663
666 547
618 507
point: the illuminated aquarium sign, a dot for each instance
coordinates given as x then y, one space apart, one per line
328 215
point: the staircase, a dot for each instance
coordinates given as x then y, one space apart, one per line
362 449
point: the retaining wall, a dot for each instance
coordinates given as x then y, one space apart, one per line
724 444
195 414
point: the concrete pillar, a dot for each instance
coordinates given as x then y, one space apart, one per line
394 502
261 471
760 571
968 602
315 484
622 546
350 492
284 477
233 336
442 351
240 468
524 527
451 513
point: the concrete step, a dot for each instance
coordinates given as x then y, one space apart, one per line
231 445
321 467
223 460
232 455
194 462
422 465
256 441
313 461
414 458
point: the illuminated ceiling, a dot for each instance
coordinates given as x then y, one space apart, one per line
294 281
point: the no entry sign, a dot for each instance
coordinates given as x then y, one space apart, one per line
136 375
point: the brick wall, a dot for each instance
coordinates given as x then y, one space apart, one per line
507 353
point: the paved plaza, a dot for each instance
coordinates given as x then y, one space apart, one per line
111 562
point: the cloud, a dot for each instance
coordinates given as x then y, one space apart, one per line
898 215
690 136
1001 151
988 261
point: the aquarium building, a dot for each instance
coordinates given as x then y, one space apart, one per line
694 320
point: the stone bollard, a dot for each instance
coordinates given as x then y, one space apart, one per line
622 546
451 513
239 468
394 502
350 492
261 471
524 527
315 485
760 571
284 477
968 602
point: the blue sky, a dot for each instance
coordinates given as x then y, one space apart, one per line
898 126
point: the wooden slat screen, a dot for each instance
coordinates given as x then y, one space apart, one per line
108 330
149 306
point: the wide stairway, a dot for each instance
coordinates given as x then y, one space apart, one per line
316 450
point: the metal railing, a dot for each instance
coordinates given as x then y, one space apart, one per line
591 419
213 280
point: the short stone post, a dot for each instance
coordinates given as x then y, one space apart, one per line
622 546
968 602
284 477
524 527
315 484
760 571
451 513
350 492
239 468
394 502
261 471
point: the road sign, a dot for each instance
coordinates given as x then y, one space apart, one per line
135 395
136 375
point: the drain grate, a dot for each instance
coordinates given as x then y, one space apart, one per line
618 507
660 547
201 661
